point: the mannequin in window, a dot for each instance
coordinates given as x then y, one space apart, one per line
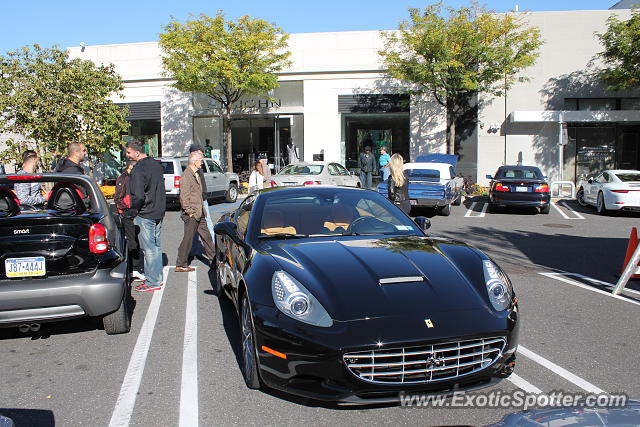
292 152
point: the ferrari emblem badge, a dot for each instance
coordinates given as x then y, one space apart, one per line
429 323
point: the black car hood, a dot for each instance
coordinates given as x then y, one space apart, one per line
345 275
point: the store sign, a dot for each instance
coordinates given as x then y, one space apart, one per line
288 95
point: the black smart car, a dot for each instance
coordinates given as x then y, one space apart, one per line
520 186
342 297
61 259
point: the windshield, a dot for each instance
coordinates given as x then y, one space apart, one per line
308 212
302 170
428 174
629 176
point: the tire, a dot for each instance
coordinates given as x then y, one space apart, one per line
600 207
445 210
457 201
545 209
580 197
232 193
119 321
247 338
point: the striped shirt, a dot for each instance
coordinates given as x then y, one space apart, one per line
29 193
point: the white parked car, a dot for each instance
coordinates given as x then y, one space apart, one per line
314 173
611 190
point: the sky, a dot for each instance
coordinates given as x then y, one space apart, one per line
67 23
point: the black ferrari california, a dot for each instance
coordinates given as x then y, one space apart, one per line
342 297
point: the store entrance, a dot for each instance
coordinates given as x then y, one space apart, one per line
255 136
376 130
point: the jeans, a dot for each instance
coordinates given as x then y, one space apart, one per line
366 179
149 239
385 173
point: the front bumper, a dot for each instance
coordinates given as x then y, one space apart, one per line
314 366
60 298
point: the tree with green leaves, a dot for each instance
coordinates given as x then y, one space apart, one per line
621 52
452 54
225 60
51 100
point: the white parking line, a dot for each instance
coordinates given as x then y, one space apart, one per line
578 216
127 398
560 277
480 215
189 387
573 211
580 382
524 384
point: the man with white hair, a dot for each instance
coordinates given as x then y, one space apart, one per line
193 213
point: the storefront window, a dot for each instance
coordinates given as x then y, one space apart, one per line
376 130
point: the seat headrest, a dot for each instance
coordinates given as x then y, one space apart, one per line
342 213
272 219
65 197
9 202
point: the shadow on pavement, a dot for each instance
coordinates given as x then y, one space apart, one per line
596 257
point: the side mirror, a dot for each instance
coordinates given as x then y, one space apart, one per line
423 222
489 176
230 229
590 180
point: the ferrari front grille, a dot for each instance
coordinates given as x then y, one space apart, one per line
425 364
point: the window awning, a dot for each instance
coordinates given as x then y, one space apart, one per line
604 116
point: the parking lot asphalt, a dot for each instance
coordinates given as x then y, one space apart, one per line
179 363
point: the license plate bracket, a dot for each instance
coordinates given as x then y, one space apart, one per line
25 267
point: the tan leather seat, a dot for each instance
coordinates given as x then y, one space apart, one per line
273 223
342 216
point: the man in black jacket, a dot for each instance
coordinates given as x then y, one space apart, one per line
367 165
148 204
71 164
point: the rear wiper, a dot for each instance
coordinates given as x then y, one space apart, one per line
283 236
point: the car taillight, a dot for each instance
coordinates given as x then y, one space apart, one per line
176 182
311 183
500 187
542 188
620 191
98 239
273 183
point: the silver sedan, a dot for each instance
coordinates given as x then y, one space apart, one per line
315 173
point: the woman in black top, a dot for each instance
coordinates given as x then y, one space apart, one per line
398 184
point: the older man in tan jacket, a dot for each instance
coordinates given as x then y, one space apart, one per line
193 213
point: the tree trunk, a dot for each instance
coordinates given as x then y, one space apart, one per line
451 128
226 129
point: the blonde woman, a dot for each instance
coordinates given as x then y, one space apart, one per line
398 184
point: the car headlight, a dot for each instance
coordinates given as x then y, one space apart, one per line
498 286
297 302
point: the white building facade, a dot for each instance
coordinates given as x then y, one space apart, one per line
335 98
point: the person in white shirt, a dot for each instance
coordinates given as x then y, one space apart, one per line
256 179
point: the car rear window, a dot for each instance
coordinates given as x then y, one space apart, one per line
519 173
302 170
433 174
628 177
168 167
